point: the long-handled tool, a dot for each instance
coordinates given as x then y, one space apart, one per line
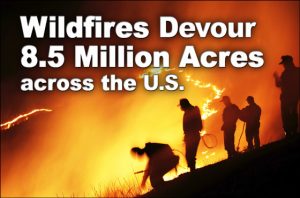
238 146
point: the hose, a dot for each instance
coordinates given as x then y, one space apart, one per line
205 143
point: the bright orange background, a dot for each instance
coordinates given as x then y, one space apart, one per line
85 143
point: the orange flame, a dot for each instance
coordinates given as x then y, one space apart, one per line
205 108
154 71
21 118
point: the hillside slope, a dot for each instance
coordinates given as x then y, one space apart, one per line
274 169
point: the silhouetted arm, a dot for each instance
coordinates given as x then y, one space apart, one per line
145 177
277 80
243 114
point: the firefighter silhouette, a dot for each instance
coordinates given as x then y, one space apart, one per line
192 125
251 116
288 82
161 160
229 116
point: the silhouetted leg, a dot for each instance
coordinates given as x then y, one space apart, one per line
191 143
284 117
249 138
232 148
173 163
156 180
256 138
289 117
188 151
167 164
229 142
293 118
256 141
191 153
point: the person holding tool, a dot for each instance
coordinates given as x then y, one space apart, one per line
251 116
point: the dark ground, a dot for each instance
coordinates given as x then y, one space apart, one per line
272 170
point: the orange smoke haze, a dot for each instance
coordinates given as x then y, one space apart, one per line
85 142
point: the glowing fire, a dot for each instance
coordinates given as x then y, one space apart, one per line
154 71
206 111
21 118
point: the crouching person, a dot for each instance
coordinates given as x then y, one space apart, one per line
161 161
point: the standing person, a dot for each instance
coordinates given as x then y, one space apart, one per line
251 115
161 161
230 116
288 82
192 125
